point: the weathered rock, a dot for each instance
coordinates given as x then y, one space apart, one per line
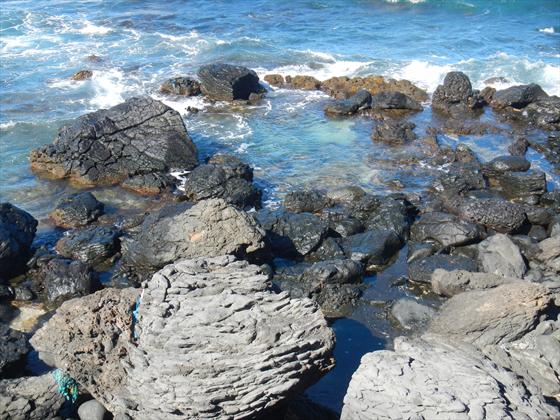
343 224
455 95
92 410
549 253
411 314
544 113
419 250
460 179
137 137
360 100
13 347
276 80
344 87
525 187
518 96
82 75
224 82
394 100
334 271
303 82
17 230
329 249
499 315
503 164
499 255
30 398
373 247
150 184
76 210
421 270
209 228
518 146
450 283
92 245
196 349
496 214
393 214
183 86
346 194
419 380
394 132
446 229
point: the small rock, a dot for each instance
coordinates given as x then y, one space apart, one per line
91 410
394 100
76 210
92 245
499 255
82 75
421 270
276 80
182 86
303 82
373 247
394 132
361 100
411 314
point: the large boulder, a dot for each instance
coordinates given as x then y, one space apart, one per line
499 255
361 100
209 228
427 378
139 136
17 230
208 340
499 315
455 95
30 398
446 229
76 210
518 96
225 82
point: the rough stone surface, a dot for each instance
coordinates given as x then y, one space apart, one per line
421 270
549 253
30 398
394 100
508 164
305 201
183 86
429 379
499 255
13 347
91 410
76 210
446 229
361 100
139 136
303 82
82 75
210 341
455 95
523 186
394 132
411 314
493 213
500 315
150 184
372 247
225 82
17 230
209 228
450 283
517 96
92 245
344 87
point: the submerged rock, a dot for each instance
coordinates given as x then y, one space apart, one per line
394 132
360 100
183 86
137 137
196 349
225 82
77 210
17 230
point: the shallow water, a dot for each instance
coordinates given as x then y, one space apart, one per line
287 138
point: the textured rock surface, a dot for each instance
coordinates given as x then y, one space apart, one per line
449 283
394 100
499 255
76 210
411 314
301 201
455 95
209 228
224 82
361 100
446 229
92 245
394 132
496 214
183 86
13 347
344 87
17 230
518 96
421 270
494 316
212 342
137 137
373 247
91 410
428 379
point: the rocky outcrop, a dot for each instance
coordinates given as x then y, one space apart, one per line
139 136
525 187
303 82
446 229
31 398
225 82
76 210
499 315
209 341
17 230
500 215
276 80
302 201
419 380
344 87
394 100
455 95
359 101
209 228
182 86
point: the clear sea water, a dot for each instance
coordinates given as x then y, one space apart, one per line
287 138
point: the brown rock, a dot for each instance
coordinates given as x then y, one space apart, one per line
303 82
82 75
276 80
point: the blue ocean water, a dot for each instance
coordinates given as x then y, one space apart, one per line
287 138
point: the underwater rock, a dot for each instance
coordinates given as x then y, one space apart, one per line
412 315
77 210
17 230
225 82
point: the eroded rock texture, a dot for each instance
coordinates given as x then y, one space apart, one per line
211 341
17 230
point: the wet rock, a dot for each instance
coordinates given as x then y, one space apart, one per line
372 247
303 82
182 86
92 410
225 178
500 215
360 100
343 224
209 228
418 251
346 194
6 292
455 95
334 272
305 201
23 293
394 132
150 184
394 100
446 229
92 245
393 214
499 315
499 255
276 80
420 271
518 146
293 235
503 164
525 187
344 87
459 179
189 310
82 75
537 232
30 398
76 210
544 113
329 249
538 215
13 348
137 137
419 380
518 96
224 82
411 314
450 283
17 230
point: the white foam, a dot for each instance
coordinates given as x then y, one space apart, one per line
424 74
91 29
7 125
181 105
325 71
109 87
549 30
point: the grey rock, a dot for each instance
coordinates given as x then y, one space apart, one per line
225 82
329 249
411 314
460 178
91 410
419 250
549 253
334 271
499 315
305 201
394 100
360 100
181 85
346 194
446 229
493 213
419 380
455 95
393 215
499 255
394 132
525 187
92 245
421 270
150 184
139 136
197 349
76 210
343 224
518 146
450 283
374 248
30 398
13 348
508 164
544 113
17 230
518 96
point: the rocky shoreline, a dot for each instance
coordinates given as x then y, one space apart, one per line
211 305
